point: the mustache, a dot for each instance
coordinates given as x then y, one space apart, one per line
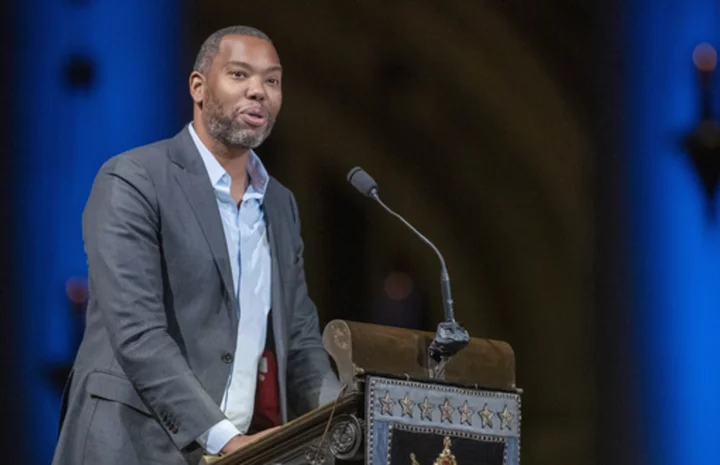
214 106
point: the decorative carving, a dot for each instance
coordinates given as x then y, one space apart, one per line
337 340
506 417
487 417
446 457
315 455
446 411
387 404
426 410
466 414
407 406
340 337
346 438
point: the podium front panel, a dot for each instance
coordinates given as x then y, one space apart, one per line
418 423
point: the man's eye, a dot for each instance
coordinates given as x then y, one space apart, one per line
273 81
238 73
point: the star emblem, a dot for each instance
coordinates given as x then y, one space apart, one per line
340 337
446 411
426 410
506 417
407 406
487 416
466 414
387 404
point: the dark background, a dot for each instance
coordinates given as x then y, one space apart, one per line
510 132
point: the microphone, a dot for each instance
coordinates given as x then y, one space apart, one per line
450 337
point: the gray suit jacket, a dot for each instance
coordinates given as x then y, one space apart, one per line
161 329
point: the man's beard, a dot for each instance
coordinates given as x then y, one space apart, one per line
228 129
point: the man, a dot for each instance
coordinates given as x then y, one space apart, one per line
196 279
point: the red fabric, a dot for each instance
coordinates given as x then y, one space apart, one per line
267 395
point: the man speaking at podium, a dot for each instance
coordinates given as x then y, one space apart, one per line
197 283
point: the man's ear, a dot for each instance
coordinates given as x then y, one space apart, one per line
197 86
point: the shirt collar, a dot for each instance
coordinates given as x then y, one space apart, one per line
257 173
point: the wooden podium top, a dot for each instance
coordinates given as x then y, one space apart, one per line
360 348
295 434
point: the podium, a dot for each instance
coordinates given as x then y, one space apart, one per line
397 407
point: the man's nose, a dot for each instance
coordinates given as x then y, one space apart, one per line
255 89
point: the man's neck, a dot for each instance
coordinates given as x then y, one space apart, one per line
233 159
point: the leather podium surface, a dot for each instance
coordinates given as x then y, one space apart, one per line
360 348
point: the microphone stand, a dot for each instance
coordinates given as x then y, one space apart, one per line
451 336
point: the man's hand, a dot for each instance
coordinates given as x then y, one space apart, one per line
240 441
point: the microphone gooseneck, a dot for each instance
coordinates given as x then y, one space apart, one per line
451 337
444 275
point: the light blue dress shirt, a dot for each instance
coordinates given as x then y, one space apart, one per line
249 251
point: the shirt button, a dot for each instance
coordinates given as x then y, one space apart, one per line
227 357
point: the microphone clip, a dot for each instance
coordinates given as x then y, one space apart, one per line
450 339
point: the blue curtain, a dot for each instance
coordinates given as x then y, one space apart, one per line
90 79
676 242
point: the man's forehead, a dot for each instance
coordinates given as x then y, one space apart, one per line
236 47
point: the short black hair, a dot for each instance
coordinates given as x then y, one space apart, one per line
209 49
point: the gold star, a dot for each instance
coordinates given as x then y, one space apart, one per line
506 417
407 406
466 414
447 411
387 404
426 409
487 415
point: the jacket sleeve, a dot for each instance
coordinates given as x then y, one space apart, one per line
311 379
121 230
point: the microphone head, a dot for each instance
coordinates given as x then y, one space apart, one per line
362 182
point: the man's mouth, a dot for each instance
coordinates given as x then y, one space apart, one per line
254 117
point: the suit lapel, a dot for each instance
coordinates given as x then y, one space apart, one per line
273 214
273 217
195 184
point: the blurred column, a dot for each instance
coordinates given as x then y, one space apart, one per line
676 243
91 78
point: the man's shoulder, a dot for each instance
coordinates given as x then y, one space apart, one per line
281 194
147 157
278 188
283 199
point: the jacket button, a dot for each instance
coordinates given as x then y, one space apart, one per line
227 357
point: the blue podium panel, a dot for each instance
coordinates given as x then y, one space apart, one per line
417 423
